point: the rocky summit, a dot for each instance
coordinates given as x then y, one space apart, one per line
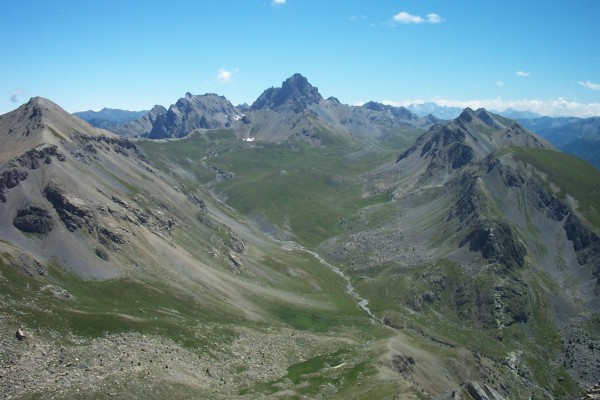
295 94
297 248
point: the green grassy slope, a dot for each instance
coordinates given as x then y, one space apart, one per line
571 175
302 189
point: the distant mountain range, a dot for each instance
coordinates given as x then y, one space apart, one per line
108 118
296 104
577 136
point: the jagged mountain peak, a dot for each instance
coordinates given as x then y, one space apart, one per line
295 94
447 148
158 109
481 115
208 111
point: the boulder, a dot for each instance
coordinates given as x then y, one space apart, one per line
20 334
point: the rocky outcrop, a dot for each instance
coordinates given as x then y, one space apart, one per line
9 179
482 391
497 243
33 219
88 147
15 171
34 157
56 291
403 364
29 266
586 244
472 391
72 211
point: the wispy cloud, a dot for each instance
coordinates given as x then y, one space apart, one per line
406 18
550 107
278 2
499 83
522 73
590 85
14 97
433 18
358 17
224 75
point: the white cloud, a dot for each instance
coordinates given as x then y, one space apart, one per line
406 18
434 18
590 85
225 76
522 73
549 107
14 97
278 2
499 83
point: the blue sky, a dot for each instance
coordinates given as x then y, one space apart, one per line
542 56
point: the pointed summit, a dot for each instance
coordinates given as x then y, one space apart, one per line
467 115
38 122
295 94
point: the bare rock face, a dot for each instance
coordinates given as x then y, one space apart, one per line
586 244
208 111
482 392
71 210
33 219
295 94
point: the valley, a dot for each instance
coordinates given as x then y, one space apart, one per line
344 252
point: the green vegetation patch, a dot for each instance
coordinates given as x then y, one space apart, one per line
572 175
308 377
299 188
95 308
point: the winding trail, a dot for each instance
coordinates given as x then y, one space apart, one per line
350 289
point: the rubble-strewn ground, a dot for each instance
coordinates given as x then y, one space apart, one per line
48 365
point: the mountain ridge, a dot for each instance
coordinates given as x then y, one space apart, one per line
296 104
